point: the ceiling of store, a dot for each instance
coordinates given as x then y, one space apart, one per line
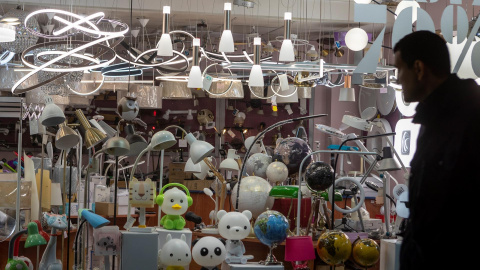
311 18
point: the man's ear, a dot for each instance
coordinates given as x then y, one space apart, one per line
419 68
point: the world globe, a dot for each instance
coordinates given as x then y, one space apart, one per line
319 176
257 164
254 195
365 252
291 151
277 172
271 228
334 247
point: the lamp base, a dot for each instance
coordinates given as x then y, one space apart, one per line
142 230
271 260
210 231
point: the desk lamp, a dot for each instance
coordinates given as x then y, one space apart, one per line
66 137
33 239
52 115
137 142
299 250
93 136
86 215
190 167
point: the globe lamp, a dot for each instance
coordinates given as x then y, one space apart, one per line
356 39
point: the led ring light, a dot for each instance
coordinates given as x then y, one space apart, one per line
284 96
6 57
84 45
362 195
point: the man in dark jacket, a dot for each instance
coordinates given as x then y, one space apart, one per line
443 184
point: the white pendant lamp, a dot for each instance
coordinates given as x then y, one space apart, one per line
287 53
347 93
7 32
226 41
195 79
164 46
256 74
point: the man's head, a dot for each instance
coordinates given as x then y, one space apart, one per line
423 62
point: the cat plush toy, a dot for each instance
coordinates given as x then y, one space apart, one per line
49 259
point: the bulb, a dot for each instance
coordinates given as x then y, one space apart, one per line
227 6
166 9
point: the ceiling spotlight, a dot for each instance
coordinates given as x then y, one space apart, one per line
166 115
226 41
164 46
287 53
256 74
195 79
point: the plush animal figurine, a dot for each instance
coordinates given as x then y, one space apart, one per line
175 253
174 203
141 194
235 226
209 252
128 108
49 259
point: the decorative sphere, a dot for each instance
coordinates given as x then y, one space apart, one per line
257 164
277 172
334 247
365 252
254 195
319 176
271 228
128 108
356 39
291 151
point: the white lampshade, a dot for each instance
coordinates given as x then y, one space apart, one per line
7 32
356 39
164 46
190 167
198 149
226 42
203 171
230 163
52 115
347 94
256 77
162 140
195 79
287 53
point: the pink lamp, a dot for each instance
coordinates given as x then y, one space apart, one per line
299 250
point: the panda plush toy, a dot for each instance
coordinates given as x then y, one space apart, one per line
235 226
209 252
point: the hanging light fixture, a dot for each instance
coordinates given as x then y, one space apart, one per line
7 32
287 53
256 74
195 79
164 46
347 93
226 41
